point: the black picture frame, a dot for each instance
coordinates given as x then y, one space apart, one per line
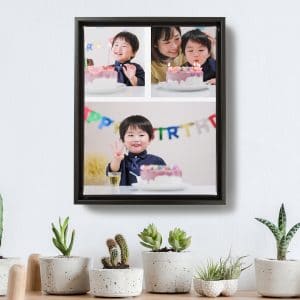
79 94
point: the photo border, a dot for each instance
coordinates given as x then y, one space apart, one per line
157 199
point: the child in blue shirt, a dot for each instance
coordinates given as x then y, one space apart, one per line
136 133
196 47
124 47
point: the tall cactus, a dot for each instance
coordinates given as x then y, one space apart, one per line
112 261
60 237
282 238
1 219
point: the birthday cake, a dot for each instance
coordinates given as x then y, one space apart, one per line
185 76
161 175
100 77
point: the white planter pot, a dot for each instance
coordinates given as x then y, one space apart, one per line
5 264
167 272
197 283
212 288
229 287
277 278
63 275
116 282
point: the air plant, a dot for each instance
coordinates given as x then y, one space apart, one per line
282 238
60 237
112 262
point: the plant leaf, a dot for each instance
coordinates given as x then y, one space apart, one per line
272 227
292 232
282 220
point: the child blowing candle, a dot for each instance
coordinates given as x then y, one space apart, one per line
136 134
124 47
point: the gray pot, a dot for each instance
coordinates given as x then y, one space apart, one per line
116 282
5 265
277 278
62 275
167 272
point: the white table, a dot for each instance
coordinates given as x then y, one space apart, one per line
156 91
127 91
128 190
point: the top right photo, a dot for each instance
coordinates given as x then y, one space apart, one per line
183 61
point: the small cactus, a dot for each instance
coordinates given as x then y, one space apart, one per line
112 261
178 240
282 238
60 237
1 219
151 238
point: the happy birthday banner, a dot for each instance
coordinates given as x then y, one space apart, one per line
203 124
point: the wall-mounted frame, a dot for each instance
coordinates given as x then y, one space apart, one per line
150 106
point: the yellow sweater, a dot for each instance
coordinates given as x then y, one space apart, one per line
158 70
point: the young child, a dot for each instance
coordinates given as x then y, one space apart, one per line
136 133
124 47
196 47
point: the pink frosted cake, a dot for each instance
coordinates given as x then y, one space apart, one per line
102 77
185 76
157 174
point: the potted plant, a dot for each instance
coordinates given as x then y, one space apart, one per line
278 277
64 274
5 262
167 270
219 278
116 279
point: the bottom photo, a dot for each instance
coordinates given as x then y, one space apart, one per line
150 148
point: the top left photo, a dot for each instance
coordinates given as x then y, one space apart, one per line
114 59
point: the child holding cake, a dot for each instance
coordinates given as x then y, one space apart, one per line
196 47
124 47
136 133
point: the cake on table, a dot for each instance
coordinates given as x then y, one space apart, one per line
158 174
101 77
185 76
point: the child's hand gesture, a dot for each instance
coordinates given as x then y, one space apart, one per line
118 151
129 71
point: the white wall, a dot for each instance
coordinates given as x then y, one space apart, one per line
36 130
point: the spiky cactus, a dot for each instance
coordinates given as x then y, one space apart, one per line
282 238
112 261
178 240
1 219
151 238
60 237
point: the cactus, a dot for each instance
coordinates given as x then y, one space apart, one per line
123 247
178 240
282 238
151 238
112 262
60 237
1 219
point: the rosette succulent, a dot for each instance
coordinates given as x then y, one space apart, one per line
178 240
151 238
282 238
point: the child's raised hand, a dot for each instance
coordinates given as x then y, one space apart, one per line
129 70
118 150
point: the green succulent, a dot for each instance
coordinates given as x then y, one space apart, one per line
1 219
151 238
211 272
112 261
282 238
179 240
60 237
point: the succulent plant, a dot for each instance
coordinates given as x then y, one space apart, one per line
283 239
1 219
211 272
178 240
60 237
112 262
151 238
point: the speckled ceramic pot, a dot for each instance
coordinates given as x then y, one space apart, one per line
212 288
277 278
167 272
62 275
5 264
116 282
197 283
229 287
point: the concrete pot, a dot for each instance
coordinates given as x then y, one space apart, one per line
212 288
62 275
167 272
197 283
5 265
277 278
230 287
116 282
